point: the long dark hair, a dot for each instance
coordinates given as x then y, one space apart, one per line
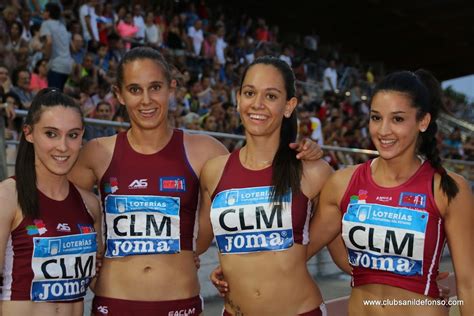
425 93
25 171
287 169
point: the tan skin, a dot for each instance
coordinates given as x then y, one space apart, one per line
269 290
58 133
145 92
394 118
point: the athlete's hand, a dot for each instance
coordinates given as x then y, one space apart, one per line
307 149
443 289
197 261
217 279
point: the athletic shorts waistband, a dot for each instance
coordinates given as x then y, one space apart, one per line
118 307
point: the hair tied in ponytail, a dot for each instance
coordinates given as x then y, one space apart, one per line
441 171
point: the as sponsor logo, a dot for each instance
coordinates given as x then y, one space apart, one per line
138 184
63 227
103 309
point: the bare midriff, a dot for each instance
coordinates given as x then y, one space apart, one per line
270 283
149 277
39 309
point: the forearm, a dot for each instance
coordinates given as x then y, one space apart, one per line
465 293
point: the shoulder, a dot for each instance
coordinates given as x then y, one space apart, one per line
8 189
9 198
211 172
463 199
337 183
204 146
216 163
100 146
316 170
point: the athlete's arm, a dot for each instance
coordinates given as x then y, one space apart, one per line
459 228
209 178
93 206
205 233
338 252
201 148
93 159
326 222
8 196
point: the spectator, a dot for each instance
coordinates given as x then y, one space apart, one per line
152 31
88 18
56 46
26 24
12 128
5 81
35 46
139 23
261 34
191 121
175 37
103 111
121 116
127 30
78 49
209 123
196 37
220 46
88 95
21 86
39 76
17 45
330 77
286 55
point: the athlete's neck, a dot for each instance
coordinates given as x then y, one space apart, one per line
259 152
394 171
56 187
149 141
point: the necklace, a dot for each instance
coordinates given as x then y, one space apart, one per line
259 163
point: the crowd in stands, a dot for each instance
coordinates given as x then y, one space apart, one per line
76 46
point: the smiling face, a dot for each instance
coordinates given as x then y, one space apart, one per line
263 100
393 125
57 139
145 91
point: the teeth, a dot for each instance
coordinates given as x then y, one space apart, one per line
387 142
60 158
258 117
147 111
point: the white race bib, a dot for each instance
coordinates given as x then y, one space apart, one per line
141 224
62 266
385 238
245 220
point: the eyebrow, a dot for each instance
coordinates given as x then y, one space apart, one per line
151 83
267 89
57 129
396 112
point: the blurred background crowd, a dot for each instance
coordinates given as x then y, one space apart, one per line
76 45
